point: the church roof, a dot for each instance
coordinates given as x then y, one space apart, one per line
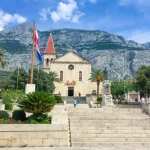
75 54
50 49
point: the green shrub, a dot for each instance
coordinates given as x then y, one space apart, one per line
58 99
10 121
43 119
37 103
5 122
19 115
4 114
99 99
11 96
8 105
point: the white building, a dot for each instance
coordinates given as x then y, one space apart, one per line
73 70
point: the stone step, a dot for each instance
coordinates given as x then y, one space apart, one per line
73 148
147 121
107 110
106 115
117 135
107 131
108 118
110 124
108 128
115 145
110 139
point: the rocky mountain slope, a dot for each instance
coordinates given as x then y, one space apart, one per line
120 56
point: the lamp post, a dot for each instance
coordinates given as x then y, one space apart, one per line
124 92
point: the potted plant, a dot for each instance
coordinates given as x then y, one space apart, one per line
99 99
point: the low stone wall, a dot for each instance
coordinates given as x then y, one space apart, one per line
146 108
30 135
37 135
90 97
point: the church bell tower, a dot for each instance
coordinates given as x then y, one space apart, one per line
49 54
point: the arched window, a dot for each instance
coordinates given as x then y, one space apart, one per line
47 61
80 75
61 75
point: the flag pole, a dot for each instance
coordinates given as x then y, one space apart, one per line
32 57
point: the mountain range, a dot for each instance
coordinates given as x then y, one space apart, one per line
121 57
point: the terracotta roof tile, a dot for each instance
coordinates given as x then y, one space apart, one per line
50 46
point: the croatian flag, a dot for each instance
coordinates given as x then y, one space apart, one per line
36 41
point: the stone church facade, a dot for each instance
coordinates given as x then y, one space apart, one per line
73 70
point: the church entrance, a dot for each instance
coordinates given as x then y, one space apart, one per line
70 91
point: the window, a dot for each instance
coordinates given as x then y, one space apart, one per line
61 75
80 75
47 61
71 67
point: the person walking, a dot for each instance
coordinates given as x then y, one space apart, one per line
75 102
78 100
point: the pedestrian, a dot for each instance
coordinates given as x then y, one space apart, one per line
78 100
75 102
79 94
142 100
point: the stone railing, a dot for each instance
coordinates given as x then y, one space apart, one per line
90 97
146 108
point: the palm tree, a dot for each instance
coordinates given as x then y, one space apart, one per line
3 63
54 76
97 75
37 103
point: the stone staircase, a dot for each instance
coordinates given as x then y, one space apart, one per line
109 127
69 99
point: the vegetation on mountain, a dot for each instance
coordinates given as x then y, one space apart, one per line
93 45
142 79
3 63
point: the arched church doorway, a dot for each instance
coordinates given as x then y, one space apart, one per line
70 91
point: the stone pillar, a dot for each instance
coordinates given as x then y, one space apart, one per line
2 106
107 97
29 88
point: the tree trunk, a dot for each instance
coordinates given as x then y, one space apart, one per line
98 83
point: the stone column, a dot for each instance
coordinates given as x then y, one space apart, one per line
107 97
29 88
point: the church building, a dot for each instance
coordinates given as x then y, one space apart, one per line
73 70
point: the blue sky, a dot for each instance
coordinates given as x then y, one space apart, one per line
129 18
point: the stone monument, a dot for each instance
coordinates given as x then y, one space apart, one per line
29 88
107 97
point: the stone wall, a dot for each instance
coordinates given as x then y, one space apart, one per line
37 135
30 135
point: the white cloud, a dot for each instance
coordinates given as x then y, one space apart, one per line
140 36
67 12
6 18
142 5
135 2
44 13
93 1
82 2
